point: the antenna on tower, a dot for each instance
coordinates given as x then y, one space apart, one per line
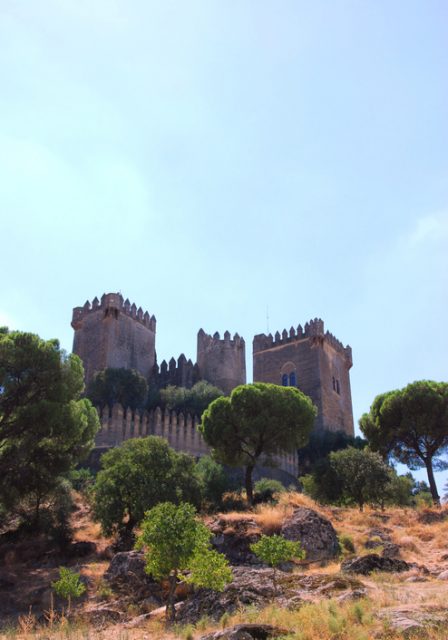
267 318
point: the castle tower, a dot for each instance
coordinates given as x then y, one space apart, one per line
315 362
222 362
113 333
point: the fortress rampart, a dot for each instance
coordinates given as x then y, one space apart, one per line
179 430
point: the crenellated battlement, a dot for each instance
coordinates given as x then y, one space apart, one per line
111 305
313 328
182 373
222 361
206 340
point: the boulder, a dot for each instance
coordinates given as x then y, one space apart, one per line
315 533
247 632
373 562
128 567
443 575
126 574
233 539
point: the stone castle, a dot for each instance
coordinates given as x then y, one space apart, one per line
113 333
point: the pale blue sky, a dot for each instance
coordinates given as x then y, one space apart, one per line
210 159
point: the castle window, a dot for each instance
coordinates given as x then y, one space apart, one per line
292 379
285 380
338 388
334 383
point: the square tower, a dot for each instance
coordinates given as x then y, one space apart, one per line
315 362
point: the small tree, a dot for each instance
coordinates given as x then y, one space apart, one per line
273 550
175 541
69 585
363 475
257 422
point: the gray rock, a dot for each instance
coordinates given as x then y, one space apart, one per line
247 632
373 562
443 575
315 533
233 539
128 567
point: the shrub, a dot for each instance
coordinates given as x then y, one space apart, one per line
273 550
69 585
266 489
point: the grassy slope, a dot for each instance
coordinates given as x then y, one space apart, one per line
420 542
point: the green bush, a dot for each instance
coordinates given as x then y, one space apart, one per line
274 550
266 489
69 585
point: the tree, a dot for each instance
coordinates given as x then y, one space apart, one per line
194 400
69 585
322 443
411 426
255 423
363 475
175 541
45 426
125 386
273 550
136 476
214 480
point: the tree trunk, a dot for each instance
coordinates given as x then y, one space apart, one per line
170 608
432 482
249 484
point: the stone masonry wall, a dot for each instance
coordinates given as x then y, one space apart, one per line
321 365
179 430
113 333
222 362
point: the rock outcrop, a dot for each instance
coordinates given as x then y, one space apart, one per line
373 562
315 533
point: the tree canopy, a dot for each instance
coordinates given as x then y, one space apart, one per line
136 476
194 400
125 386
411 426
363 475
256 422
45 425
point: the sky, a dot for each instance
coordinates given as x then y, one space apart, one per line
243 165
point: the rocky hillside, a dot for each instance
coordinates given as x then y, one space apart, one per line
366 575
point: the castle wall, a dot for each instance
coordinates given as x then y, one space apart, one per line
115 334
179 430
222 362
320 365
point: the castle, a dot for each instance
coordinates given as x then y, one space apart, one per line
113 333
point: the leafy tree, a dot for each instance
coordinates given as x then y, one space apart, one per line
363 475
273 550
411 426
69 585
45 426
255 423
175 541
194 400
136 476
214 480
125 386
322 443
